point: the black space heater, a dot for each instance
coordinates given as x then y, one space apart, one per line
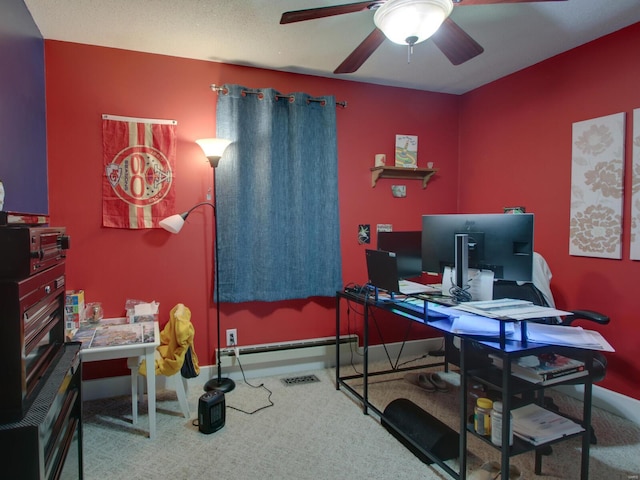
211 411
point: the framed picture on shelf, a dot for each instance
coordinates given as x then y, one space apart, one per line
407 151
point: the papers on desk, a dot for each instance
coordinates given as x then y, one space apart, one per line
510 308
467 324
109 334
482 324
567 336
476 325
409 288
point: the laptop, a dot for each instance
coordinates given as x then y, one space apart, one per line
382 269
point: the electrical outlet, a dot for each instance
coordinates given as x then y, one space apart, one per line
232 337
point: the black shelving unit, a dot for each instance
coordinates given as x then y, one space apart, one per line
517 392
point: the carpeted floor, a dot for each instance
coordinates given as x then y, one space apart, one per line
314 432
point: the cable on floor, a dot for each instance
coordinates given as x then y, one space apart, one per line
252 386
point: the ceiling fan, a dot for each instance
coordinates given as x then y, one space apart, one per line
406 22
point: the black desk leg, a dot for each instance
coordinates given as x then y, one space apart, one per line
586 418
506 418
365 370
462 444
338 341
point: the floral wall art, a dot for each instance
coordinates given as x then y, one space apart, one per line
597 165
635 189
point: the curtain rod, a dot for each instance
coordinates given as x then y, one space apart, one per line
218 89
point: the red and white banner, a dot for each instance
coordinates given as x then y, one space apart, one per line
139 164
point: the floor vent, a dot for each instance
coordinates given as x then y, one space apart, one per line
300 380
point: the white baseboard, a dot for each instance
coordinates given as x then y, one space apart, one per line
284 358
312 359
261 365
266 364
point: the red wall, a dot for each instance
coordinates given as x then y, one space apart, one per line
111 265
508 143
515 149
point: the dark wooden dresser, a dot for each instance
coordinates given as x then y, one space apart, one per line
41 403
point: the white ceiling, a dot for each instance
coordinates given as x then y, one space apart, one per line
247 32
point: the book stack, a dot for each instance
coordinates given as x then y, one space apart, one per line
545 369
536 425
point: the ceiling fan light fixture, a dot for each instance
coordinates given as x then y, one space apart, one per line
411 21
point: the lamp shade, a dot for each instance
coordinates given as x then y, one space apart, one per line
213 148
173 223
411 21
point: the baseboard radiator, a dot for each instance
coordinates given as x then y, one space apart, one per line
303 354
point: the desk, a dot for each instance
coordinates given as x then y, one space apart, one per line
503 381
116 338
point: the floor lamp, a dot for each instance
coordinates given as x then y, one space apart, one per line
213 149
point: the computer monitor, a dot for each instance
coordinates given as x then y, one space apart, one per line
497 242
407 246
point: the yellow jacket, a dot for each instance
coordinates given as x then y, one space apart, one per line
175 339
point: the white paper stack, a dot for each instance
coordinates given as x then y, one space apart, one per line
568 336
537 425
510 308
477 325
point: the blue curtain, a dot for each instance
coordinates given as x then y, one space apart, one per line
277 196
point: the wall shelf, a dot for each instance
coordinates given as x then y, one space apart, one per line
403 173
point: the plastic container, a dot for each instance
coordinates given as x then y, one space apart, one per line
93 312
482 416
496 425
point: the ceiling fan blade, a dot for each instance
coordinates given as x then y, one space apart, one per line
461 3
455 43
322 12
362 52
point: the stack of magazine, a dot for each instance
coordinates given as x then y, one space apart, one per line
544 369
537 425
